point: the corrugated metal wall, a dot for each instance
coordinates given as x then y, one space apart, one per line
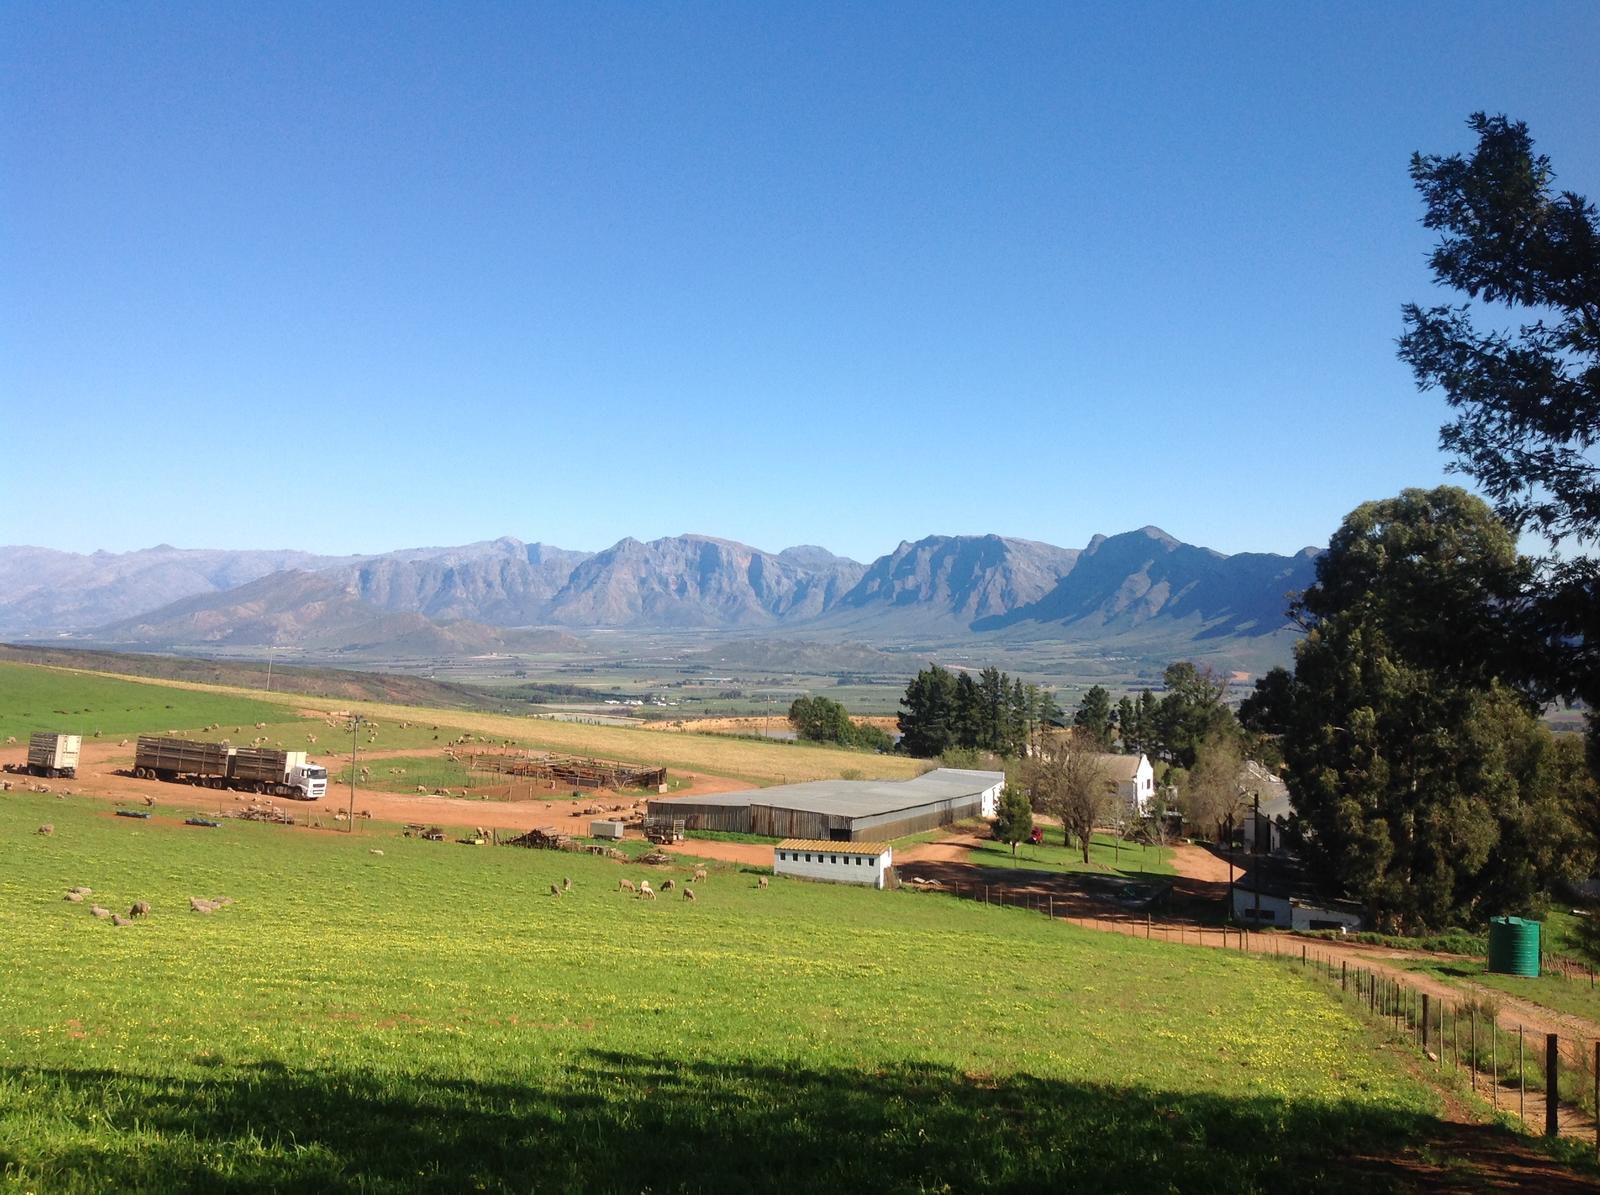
884 826
787 823
733 819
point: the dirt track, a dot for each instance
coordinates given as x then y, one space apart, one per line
97 778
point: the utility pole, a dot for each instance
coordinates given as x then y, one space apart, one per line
269 670
355 726
1257 840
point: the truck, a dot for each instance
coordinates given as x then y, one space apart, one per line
54 754
263 770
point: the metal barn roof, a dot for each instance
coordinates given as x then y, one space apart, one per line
860 798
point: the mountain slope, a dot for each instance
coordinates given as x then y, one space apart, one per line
946 582
45 590
1122 584
695 581
316 612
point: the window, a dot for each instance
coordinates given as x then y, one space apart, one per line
833 858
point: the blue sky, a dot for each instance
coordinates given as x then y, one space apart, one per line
355 277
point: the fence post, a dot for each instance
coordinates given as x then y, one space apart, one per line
1472 1049
1494 1065
1425 1024
1522 1084
1596 1083
1552 1075
1344 977
1052 906
1552 1083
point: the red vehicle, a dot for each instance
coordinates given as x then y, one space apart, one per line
1036 837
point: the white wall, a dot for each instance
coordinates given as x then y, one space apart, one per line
991 800
844 869
1275 910
1286 914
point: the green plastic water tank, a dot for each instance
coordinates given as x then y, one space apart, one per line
1514 946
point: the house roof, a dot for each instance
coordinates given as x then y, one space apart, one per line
1120 768
854 798
832 848
1274 794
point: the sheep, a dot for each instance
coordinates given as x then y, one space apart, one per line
761 881
81 890
118 919
688 893
100 911
75 897
566 884
666 885
555 890
141 908
645 891
699 874
197 905
375 851
47 829
626 886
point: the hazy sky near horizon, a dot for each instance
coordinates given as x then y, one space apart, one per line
357 277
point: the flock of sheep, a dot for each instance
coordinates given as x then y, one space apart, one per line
140 908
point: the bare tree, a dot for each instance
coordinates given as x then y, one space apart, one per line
1213 796
1068 780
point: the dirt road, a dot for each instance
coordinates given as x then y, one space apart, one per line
100 762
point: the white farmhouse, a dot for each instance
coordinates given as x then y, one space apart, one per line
841 862
1134 780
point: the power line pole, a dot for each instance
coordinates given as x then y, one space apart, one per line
355 725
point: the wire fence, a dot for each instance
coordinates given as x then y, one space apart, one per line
1550 1083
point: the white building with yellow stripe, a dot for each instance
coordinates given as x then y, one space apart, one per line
838 862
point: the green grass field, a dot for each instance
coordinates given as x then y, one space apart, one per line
1105 856
82 703
433 1019
403 773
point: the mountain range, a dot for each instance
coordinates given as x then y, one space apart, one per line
506 595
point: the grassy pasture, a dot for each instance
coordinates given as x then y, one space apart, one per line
430 771
33 698
1050 855
433 1019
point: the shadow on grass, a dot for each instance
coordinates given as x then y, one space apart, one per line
618 1122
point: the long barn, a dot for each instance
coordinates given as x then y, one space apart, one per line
843 810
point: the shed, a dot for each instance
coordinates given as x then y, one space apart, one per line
844 810
838 862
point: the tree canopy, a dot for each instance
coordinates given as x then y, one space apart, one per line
1419 776
992 712
1527 400
1013 821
